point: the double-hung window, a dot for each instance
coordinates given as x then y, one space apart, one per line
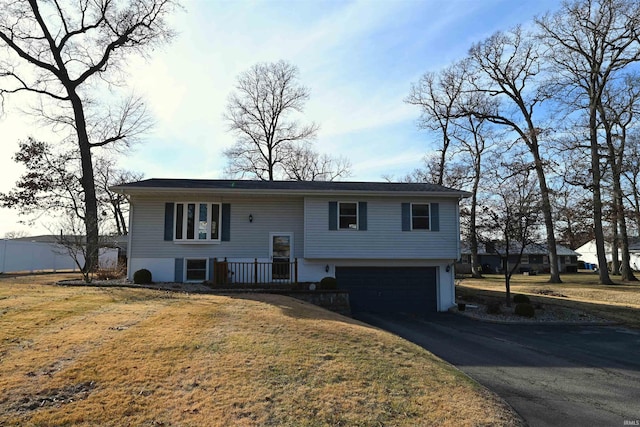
196 270
197 222
348 215
420 216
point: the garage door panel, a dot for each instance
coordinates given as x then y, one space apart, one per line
389 289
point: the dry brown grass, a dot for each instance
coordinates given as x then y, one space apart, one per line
620 302
116 356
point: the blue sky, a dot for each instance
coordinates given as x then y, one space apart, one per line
358 59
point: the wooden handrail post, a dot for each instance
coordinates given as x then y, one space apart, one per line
295 262
215 270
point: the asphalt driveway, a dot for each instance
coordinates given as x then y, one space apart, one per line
551 374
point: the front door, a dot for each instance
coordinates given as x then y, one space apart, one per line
281 247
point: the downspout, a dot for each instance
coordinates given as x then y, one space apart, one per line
129 276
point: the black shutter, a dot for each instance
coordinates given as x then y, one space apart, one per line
362 215
435 217
168 221
212 264
333 215
226 222
179 270
406 217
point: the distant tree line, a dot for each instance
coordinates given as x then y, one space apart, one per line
556 101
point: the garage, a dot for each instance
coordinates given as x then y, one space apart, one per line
389 289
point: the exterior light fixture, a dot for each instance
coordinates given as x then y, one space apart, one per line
250 218
448 269
326 268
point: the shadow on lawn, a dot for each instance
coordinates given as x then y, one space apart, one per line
295 308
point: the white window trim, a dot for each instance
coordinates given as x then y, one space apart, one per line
411 217
357 216
525 259
184 269
195 225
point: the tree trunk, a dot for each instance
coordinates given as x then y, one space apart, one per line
615 240
476 271
554 276
117 218
507 280
123 221
626 271
88 184
603 272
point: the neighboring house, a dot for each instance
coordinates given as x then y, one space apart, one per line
535 258
391 245
589 254
42 253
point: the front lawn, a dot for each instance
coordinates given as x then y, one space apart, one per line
118 356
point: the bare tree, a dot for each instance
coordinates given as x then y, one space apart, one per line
61 53
108 175
631 175
618 116
475 141
15 234
454 174
447 103
72 242
52 185
51 182
573 216
509 65
589 42
258 113
437 95
304 164
511 216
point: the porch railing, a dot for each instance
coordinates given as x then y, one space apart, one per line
254 272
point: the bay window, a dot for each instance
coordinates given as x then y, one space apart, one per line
197 222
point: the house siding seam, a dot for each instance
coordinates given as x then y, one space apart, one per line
383 238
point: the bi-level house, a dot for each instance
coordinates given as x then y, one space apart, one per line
391 245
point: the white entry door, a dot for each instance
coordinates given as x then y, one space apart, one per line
281 248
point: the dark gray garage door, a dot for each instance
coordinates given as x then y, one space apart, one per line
389 289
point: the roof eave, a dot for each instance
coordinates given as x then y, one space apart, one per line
136 191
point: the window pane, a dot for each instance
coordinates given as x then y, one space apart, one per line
191 213
202 222
215 220
420 210
348 216
420 223
420 216
196 269
179 219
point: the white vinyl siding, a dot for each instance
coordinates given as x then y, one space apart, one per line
384 238
247 239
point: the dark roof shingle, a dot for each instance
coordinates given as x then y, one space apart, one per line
311 186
